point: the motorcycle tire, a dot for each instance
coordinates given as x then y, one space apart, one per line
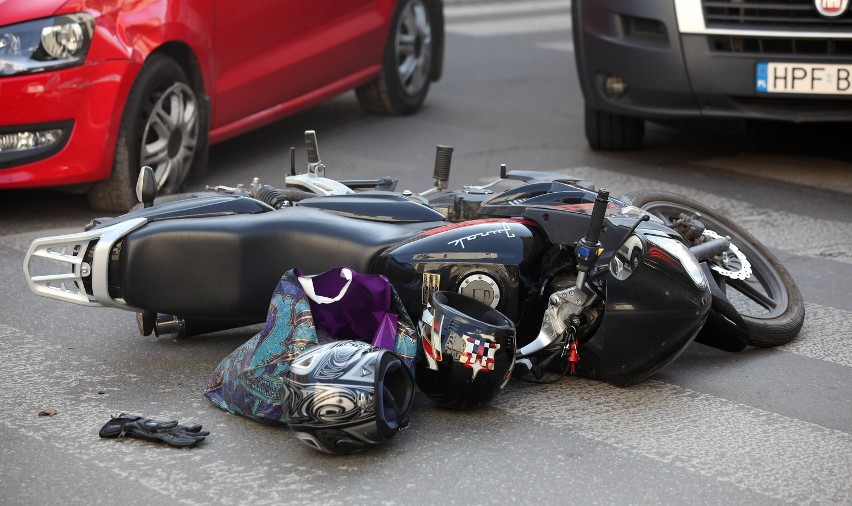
769 302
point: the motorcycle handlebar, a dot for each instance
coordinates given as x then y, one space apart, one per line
596 223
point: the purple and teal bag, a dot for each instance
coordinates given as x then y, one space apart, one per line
304 311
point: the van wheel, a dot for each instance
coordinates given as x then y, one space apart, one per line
606 131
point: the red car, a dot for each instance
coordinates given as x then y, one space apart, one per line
92 90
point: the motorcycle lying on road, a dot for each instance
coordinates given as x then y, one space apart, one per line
624 283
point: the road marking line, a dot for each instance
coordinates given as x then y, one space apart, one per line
825 335
564 46
487 9
770 454
36 375
518 26
826 239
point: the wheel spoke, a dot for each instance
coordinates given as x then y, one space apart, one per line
165 173
158 125
163 119
406 70
190 115
406 45
155 152
749 290
422 22
175 109
187 150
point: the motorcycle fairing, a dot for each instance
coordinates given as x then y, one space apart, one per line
657 299
554 194
233 273
724 328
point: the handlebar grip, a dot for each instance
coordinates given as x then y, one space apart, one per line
598 212
443 159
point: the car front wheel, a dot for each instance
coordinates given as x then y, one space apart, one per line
164 126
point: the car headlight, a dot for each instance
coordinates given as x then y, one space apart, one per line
45 44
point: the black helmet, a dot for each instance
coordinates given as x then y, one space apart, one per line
468 351
344 396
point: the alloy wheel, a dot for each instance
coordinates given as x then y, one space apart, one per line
413 47
170 136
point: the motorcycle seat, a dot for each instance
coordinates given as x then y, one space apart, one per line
226 267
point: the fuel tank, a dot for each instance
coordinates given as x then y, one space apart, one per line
492 260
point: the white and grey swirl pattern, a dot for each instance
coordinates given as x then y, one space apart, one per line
333 365
332 386
329 406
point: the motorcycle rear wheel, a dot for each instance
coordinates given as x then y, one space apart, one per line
768 301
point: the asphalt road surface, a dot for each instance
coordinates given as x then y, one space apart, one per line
757 427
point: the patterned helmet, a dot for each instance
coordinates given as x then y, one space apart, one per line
468 351
344 396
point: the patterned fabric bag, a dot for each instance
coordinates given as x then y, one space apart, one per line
305 310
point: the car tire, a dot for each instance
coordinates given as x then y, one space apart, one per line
607 131
407 64
164 126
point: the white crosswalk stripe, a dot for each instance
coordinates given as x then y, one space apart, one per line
453 12
766 453
824 336
499 19
781 230
774 455
522 25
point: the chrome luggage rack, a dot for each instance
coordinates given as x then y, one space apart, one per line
69 250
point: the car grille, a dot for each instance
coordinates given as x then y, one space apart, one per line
798 15
769 46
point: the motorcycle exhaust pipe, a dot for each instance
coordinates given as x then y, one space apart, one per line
177 327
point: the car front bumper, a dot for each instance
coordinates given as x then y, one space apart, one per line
86 102
673 69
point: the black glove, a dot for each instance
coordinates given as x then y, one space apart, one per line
153 430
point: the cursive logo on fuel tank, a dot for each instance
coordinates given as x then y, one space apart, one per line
504 229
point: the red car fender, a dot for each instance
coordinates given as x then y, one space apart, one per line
132 32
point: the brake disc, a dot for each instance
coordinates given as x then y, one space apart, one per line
733 263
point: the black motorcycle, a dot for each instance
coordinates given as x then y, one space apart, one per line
617 287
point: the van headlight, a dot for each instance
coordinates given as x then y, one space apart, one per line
45 44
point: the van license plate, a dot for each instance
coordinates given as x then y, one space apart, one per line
823 79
